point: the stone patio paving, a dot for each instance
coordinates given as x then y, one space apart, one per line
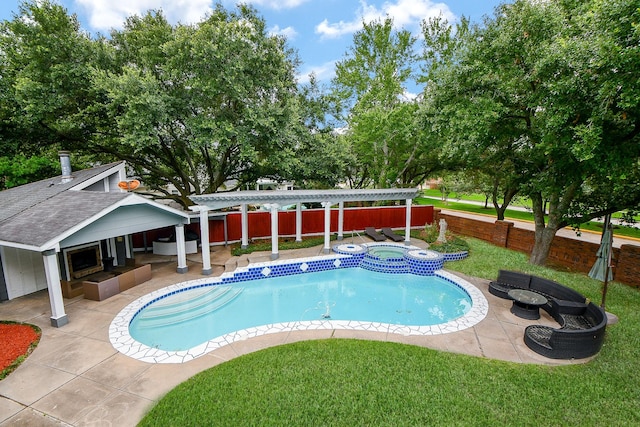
75 376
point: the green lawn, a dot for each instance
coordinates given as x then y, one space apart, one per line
513 214
339 382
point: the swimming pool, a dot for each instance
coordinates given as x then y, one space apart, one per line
397 307
184 320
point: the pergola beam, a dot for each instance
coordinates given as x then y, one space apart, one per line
274 199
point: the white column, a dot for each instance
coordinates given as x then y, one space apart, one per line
204 237
407 233
274 229
244 219
182 250
299 222
327 227
340 220
51 269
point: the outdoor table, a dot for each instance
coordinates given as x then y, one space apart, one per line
526 304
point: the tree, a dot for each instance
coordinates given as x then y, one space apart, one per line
18 170
549 90
323 156
44 86
199 107
371 87
191 108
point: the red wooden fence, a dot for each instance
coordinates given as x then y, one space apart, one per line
355 219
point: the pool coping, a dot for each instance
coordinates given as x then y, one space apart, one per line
124 343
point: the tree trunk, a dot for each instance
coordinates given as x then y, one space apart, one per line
542 245
508 195
543 239
545 233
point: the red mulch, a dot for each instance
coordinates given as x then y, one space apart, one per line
15 340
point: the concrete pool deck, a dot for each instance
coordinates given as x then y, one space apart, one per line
75 376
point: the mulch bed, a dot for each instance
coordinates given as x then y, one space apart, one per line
17 341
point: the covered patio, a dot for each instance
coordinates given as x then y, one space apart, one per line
77 219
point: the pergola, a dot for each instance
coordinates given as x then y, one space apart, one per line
273 200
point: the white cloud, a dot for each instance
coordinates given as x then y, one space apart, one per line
108 14
289 32
337 29
405 13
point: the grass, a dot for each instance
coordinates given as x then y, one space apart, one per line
283 244
618 230
338 382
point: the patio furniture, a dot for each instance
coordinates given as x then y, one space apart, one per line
526 304
508 280
582 323
580 336
388 232
103 285
373 234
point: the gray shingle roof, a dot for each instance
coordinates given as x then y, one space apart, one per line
34 213
52 217
18 199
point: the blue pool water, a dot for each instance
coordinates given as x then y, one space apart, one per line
187 319
386 252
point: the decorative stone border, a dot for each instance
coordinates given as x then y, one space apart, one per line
124 343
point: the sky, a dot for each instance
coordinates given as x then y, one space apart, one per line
321 31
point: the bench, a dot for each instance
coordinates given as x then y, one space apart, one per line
582 323
508 280
580 336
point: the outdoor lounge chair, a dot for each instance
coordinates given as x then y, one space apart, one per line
371 232
391 235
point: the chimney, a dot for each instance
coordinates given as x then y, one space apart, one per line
65 163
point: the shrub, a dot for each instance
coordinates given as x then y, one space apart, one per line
452 244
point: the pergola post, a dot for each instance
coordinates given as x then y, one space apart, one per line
327 227
299 222
58 316
204 238
273 207
181 249
244 219
407 233
340 220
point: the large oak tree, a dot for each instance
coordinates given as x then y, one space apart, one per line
548 92
192 108
371 85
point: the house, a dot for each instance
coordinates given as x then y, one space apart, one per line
57 231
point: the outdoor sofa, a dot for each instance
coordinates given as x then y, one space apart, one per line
580 336
582 323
